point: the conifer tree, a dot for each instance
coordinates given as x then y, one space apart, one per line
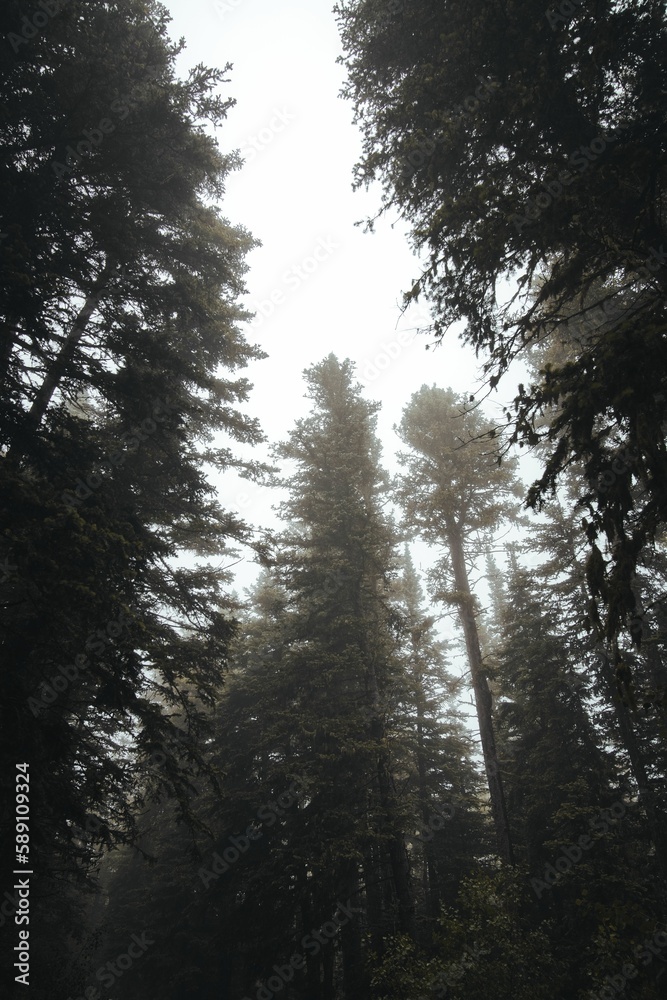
312 697
453 489
341 531
120 361
526 143
450 835
575 822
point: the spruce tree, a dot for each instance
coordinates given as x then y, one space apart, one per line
316 681
120 362
453 490
526 143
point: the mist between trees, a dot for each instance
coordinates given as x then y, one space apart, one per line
281 783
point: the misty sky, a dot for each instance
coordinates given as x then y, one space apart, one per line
318 283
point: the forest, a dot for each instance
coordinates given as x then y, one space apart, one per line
219 794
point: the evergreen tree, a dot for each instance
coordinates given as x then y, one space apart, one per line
575 821
340 531
527 143
120 352
453 489
316 679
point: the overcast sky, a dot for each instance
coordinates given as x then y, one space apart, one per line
318 283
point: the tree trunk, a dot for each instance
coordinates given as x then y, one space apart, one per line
482 695
372 879
64 359
398 857
355 984
328 955
312 961
429 888
6 346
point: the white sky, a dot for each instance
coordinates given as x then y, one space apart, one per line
295 195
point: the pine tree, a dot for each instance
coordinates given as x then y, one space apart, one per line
312 695
120 357
563 787
341 532
453 489
498 135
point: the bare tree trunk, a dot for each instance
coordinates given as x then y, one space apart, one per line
483 700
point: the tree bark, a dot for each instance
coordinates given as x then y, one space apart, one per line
483 700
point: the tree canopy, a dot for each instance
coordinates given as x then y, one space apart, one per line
121 351
526 145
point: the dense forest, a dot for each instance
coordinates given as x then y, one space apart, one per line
279 793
